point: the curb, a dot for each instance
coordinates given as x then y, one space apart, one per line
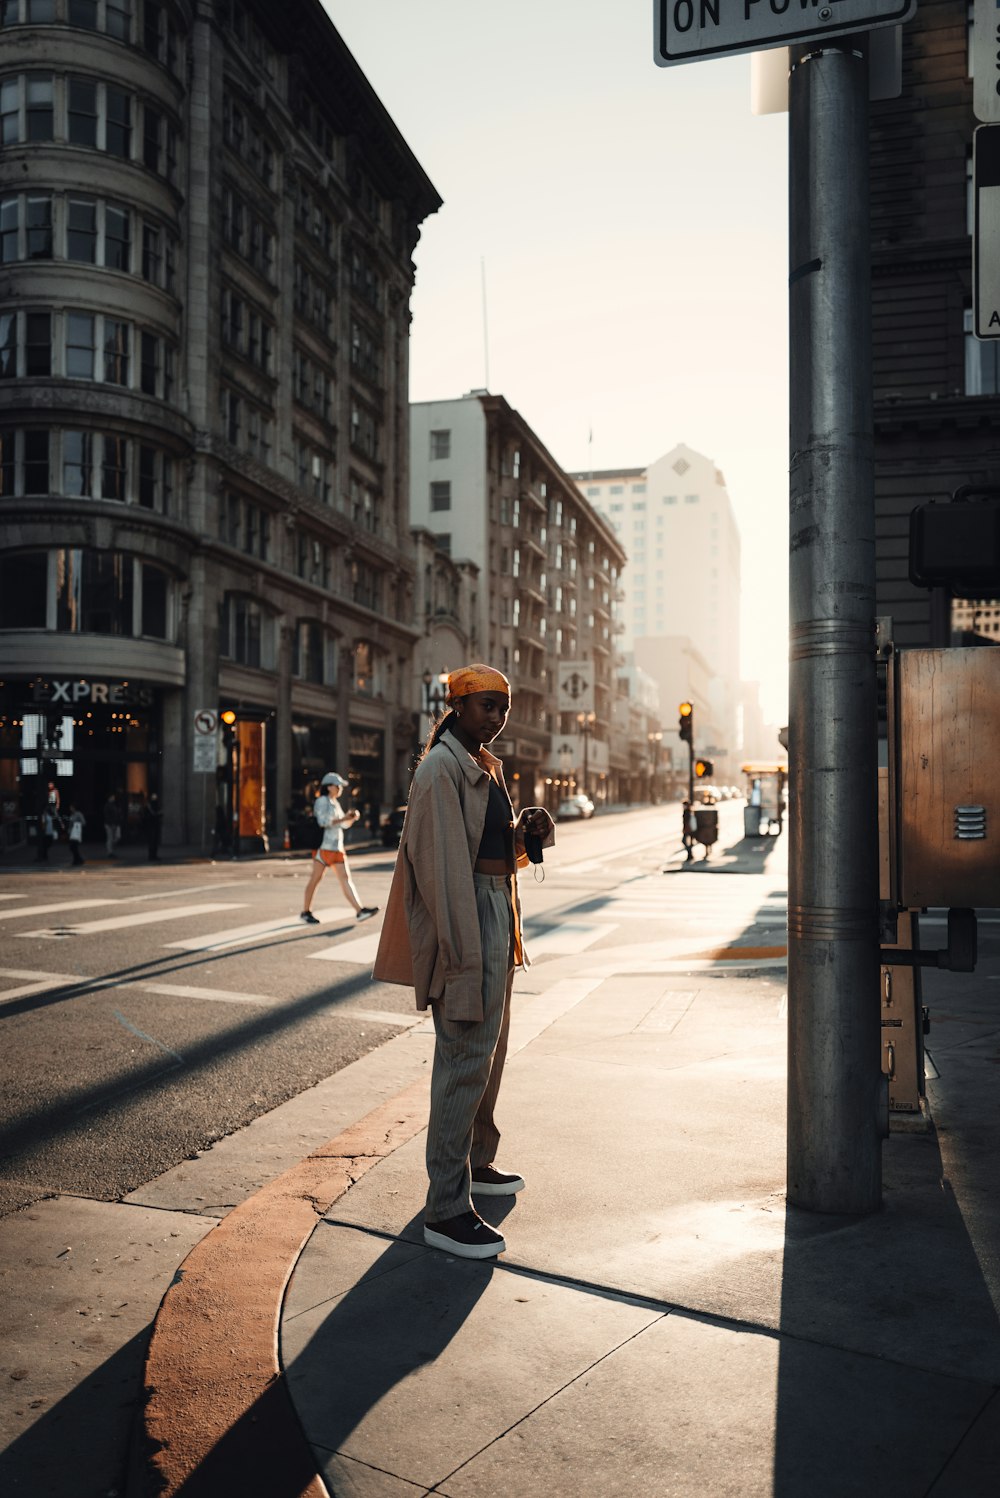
216 1415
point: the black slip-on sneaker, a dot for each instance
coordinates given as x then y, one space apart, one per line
467 1236
366 912
309 919
488 1181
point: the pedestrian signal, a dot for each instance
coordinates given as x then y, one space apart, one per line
686 722
703 768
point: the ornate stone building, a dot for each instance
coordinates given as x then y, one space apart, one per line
207 220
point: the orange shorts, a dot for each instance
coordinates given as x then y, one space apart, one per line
329 857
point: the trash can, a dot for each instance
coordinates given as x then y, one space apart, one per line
706 825
751 821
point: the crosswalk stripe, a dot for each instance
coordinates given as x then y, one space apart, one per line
235 936
25 910
37 982
137 918
361 950
217 995
565 939
13 897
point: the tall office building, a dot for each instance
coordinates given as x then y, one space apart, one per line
681 611
483 483
207 220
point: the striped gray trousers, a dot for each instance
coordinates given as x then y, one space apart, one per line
468 1064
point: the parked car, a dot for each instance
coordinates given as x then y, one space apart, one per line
391 827
575 808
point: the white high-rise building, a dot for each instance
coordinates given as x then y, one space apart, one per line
681 612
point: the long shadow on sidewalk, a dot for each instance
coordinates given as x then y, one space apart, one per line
890 1322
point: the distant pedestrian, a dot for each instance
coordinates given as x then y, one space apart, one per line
46 834
330 854
112 825
76 821
152 820
453 932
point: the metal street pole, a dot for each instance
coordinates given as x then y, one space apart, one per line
835 1088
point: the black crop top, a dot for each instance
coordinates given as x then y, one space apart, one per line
498 831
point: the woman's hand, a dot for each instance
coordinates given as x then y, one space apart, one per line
537 820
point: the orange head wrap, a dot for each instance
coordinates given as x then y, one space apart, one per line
476 678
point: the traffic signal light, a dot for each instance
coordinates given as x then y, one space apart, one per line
687 722
704 768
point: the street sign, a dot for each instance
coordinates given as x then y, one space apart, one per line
575 687
984 42
986 233
206 754
689 30
206 740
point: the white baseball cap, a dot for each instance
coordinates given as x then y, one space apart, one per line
333 779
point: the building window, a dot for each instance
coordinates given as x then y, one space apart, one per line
37 343
313 561
154 480
83 13
36 463
441 444
245 633
309 659
690 499
442 543
441 494
81 112
982 362
154 618
117 238
24 586
114 468
78 463
118 19
118 126
116 351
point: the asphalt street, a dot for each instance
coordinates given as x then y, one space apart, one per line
152 1010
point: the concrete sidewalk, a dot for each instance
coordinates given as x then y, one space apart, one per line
661 1323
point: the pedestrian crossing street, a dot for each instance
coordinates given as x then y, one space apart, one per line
672 916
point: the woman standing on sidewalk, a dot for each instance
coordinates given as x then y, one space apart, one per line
452 931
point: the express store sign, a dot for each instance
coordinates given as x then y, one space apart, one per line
83 692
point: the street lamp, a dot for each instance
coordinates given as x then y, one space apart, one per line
655 740
586 722
435 692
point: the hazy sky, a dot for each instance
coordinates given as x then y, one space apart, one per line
633 225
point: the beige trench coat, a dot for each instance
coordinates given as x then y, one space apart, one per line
430 933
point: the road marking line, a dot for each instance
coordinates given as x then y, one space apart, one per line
39 982
138 918
184 991
234 936
361 950
568 938
10 915
13 897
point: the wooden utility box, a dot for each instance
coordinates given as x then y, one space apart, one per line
947 799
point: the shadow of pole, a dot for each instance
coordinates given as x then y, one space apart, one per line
890 1350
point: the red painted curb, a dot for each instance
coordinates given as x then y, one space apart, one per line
217 1416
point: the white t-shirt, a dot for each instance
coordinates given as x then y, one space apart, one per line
331 817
